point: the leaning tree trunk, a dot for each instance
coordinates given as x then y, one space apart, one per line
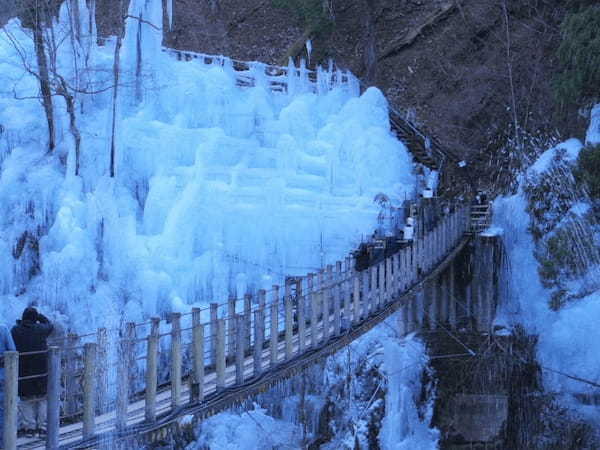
38 39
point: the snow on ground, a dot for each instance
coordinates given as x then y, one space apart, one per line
217 188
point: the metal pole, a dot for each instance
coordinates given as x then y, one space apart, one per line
175 360
53 397
197 390
89 390
152 370
11 399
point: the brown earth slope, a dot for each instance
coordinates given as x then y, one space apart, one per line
465 70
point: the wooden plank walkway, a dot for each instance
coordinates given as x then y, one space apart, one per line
321 313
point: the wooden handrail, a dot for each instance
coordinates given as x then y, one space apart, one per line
341 300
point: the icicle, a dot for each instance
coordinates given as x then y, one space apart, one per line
309 50
291 78
170 13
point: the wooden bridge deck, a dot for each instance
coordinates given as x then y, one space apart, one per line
230 370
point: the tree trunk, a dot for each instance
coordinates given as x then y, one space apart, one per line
38 39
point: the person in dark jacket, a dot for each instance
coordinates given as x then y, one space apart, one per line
30 335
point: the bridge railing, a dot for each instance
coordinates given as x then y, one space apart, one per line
276 78
210 350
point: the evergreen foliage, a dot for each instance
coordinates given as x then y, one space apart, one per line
588 169
563 229
579 56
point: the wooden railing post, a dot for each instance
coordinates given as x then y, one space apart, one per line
220 354
53 398
301 311
373 291
197 391
451 299
72 385
102 372
259 338
231 318
214 309
274 326
240 347
11 399
176 359
337 298
124 371
289 321
248 319
314 316
347 292
89 390
152 369
356 297
382 285
326 296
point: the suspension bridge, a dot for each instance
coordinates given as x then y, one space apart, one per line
137 384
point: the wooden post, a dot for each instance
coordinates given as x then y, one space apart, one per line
152 369
356 297
347 287
197 393
72 385
240 348
289 321
175 360
124 371
248 320
451 299
373 291
274 326
220 354
231 318
326 299
337 298
214 308
301 311
89 390
314 319
11 399
403 320
382 285
431 292
102 372
259 338
53 398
